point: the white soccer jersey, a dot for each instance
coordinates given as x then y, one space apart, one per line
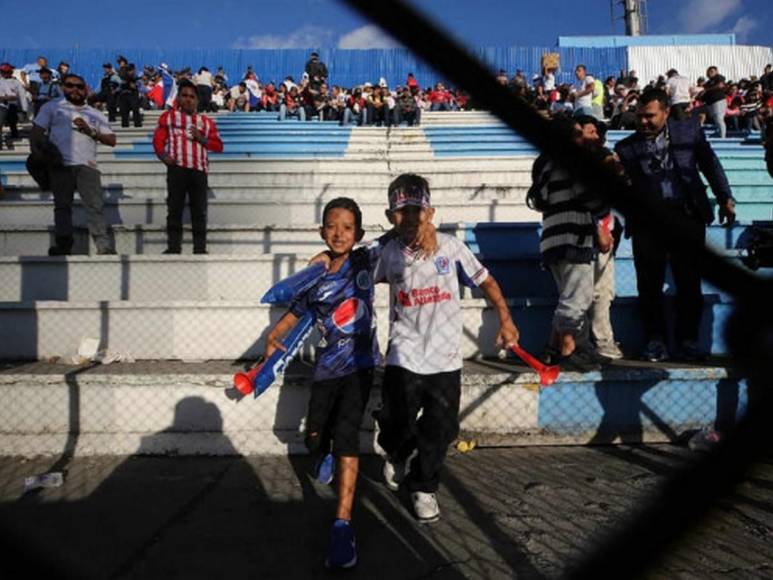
425 315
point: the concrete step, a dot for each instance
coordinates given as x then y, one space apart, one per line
305 166
236 277
493 241
261 213
151 239
205 330
237 207
162 407
363 173
281 194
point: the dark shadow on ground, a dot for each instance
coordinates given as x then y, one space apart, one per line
199 517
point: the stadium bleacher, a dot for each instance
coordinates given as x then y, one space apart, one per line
267 193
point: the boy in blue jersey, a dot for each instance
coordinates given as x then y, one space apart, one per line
342 303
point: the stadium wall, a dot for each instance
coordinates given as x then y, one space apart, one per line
347 67
646 40
734 62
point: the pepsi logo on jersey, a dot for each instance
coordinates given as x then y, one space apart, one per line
348 313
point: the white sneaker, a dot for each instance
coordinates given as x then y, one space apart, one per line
609 350
394 473
426 507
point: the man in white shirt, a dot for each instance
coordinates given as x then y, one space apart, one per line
74 129
583 91
13 99
548 79
678 90
203 82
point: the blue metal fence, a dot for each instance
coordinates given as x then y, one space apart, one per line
347 67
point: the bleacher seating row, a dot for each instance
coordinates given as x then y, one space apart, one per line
268 190
267 194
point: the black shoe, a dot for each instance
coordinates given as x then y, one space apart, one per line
655 351
550 356
689 351
171 251
62 246
580 361
200 252
59 251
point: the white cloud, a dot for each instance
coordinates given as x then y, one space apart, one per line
743 28
368 36
307 36
702 15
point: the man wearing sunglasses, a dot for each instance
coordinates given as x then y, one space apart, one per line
75 129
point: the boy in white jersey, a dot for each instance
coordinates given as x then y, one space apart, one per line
422 382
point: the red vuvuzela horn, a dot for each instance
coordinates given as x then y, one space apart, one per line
547 373
245 382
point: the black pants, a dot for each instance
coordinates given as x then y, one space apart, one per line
180 182
129 102
111 98
679 111
10 116
404 394
205 97
379 116
651 253
411 117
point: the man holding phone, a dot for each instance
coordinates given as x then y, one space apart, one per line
69 130
182 141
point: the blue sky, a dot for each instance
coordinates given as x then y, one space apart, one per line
326 23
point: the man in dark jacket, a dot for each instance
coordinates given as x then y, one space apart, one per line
108 90
316 70
129 96
663 159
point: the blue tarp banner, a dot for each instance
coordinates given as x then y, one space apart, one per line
346 67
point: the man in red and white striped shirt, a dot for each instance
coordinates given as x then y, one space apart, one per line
182 140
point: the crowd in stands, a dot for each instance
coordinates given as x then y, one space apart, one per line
739 106
124 90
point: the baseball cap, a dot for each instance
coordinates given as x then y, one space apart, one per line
412 194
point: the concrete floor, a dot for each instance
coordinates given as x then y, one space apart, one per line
507 513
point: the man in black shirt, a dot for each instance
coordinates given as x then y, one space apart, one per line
767 80
128 95
713 97
316 70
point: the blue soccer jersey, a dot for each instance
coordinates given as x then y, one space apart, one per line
342 303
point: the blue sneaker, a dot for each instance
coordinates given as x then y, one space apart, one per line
342 552
325 469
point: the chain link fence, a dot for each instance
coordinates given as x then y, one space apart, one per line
171 331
